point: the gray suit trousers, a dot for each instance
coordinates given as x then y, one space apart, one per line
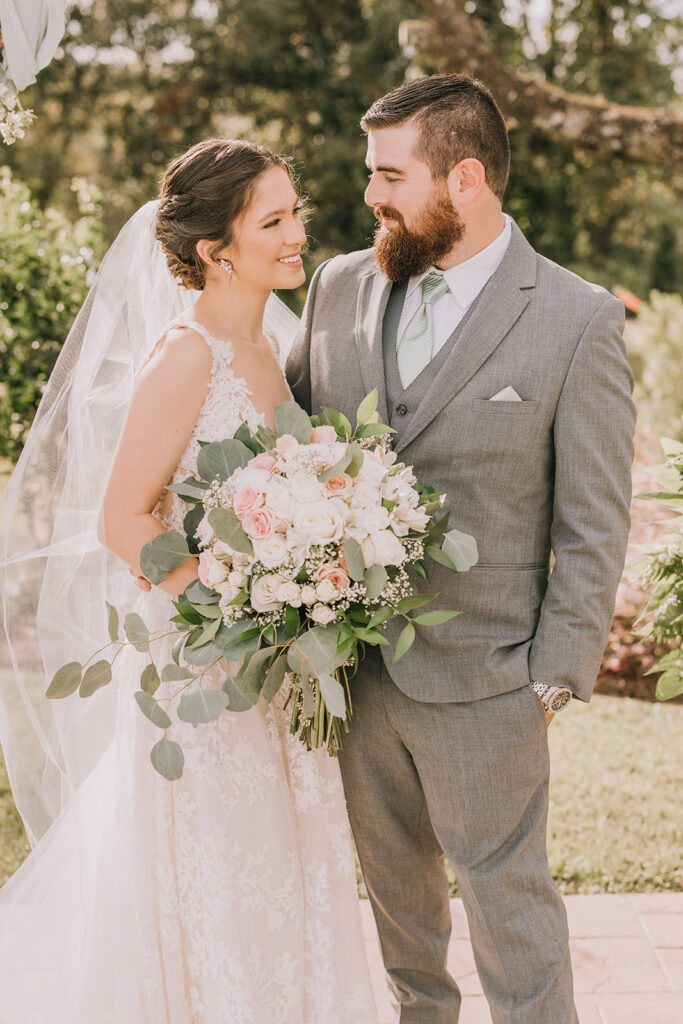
468 780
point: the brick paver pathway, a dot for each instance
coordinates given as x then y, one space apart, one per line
627 953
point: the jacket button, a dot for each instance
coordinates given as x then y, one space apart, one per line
401 410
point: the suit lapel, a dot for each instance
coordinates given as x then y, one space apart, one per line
506 295
373 296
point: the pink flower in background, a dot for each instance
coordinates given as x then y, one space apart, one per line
323 435
246 500
339 484
260 522
284 443
335 574
263 461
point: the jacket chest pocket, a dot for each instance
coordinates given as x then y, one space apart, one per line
502 426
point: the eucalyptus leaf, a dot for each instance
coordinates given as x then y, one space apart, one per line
290 418
315 651
461 548
175 673
208 611
197 593
333 695
353 554
228 528
149 679
202 706
375 580
367 408
97 676
265 437
65 681
243 434
152 710
204 655
136 631
356 462
168 759
237 699
275 677
435 618
404 641
220 459
252 674
189 490
339 467
163 554
113 621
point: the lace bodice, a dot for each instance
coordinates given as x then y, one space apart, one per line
227 405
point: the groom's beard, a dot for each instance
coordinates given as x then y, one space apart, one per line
402 253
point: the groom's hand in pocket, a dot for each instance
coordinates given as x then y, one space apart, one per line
549 715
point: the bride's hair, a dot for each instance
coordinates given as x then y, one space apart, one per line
203 193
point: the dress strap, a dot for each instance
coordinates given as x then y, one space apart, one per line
220 348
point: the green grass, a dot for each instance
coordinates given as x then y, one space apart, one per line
616 815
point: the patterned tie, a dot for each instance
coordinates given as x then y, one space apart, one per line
415 347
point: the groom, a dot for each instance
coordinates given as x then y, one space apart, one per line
506 380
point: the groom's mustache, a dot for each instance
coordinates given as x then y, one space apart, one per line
389 212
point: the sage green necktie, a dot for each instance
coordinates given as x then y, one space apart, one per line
415 346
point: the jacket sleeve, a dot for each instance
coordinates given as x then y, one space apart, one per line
593 438
299 360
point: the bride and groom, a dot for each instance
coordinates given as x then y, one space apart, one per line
228 897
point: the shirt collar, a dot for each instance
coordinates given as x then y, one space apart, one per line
467 279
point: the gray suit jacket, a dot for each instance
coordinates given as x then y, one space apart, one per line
549 473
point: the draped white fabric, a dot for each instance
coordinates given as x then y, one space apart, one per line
31 31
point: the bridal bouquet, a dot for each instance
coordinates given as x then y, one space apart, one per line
663 575
307 539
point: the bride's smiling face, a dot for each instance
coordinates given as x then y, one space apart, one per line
266 252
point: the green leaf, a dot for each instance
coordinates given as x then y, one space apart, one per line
420 570
370 636
253 671
339 467
275 677
291 620
208 611
404 641
315 651
174 673
97 676
208 633
204 655
65 681
187 610
265 437
356 462
382 615
149 679
113 621
435 618
374 430
202 706
243 434
136 631
353 553
162 554
367 408
308 694
333 695
375 580
191 524
152 710
435 552
190 490
670 684
168 759
197 593
220 459
438 527
406 604
228 528
339 421
237 700
237 641
461 548
290 418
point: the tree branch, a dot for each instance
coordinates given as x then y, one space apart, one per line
452 41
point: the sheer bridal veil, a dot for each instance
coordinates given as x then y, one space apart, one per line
55 574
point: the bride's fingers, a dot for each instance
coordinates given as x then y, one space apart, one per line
141 582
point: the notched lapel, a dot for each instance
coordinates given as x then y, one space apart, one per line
373 296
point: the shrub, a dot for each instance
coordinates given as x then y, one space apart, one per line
655 341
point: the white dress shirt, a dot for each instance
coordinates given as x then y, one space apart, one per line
464 281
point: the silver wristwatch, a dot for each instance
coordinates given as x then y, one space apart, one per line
554 698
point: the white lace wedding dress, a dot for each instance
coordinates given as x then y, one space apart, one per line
227 897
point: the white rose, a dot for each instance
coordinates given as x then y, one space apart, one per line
237 578
279 499
369 520
383 548
372 469
364 494
305 487
325 590
264 592
272 551
203 532
308 594
228 591
404 519
321 521
323 614
249 476
297 546
290 593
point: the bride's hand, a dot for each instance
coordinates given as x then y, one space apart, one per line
141 582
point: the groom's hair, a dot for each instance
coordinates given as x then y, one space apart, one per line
457 118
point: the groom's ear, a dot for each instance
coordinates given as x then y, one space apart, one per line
466 182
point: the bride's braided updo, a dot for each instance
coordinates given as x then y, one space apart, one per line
202 195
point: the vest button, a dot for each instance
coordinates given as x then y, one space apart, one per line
401 409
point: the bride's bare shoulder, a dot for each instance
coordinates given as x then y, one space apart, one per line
180 350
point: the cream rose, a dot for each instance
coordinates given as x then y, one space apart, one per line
364 494
321 521
279 499
237 578
290 593
204 533
285 443
247 476
272 551
211 571
383 548
323 614
326 590
305 486
308 595
372 469
264 592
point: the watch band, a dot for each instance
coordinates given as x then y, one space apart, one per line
554 698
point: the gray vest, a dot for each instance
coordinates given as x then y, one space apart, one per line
402 402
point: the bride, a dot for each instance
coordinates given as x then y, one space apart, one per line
227 897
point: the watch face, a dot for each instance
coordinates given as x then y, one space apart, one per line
560 700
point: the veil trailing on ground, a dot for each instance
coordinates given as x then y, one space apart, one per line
55 574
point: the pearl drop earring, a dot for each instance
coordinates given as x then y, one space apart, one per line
227 265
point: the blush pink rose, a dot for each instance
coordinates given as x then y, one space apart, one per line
323 435
246 500
284 443
335 574
260 523
339 484
263 461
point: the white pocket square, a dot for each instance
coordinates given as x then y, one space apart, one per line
506 395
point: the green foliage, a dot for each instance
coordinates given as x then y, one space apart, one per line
44 270
655 343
